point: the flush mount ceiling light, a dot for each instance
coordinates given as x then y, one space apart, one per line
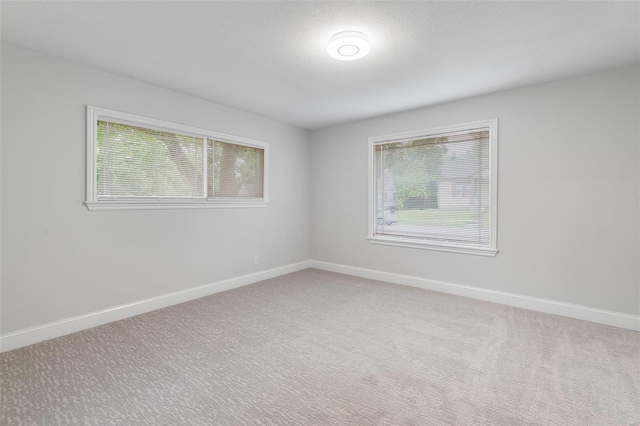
348 45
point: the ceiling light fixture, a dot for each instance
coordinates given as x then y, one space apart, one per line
348 45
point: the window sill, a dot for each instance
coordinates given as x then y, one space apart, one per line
172 205
437 247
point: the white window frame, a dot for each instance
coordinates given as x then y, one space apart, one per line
93 203
492 250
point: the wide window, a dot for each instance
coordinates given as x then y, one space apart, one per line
436 189
135 162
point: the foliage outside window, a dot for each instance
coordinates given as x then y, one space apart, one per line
135 162
436 189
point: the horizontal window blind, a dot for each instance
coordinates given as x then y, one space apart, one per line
435 189
137 162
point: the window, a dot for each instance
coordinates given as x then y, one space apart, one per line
141 163
436 189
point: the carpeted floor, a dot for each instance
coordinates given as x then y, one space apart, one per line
320 348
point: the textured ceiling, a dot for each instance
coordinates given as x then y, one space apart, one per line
269 57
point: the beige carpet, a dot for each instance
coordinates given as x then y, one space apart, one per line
320 348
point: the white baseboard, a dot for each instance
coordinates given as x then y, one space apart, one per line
28 336
615 319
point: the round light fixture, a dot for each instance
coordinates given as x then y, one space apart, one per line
348 45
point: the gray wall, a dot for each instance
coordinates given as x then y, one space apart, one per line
568 196
568 184
60 260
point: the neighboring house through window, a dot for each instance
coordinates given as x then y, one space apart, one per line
442 187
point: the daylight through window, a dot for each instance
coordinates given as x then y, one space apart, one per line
135 162
436 189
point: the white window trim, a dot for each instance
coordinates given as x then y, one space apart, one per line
92 202
492 125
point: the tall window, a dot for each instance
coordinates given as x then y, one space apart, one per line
436 189
135 162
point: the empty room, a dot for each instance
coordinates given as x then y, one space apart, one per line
319 213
